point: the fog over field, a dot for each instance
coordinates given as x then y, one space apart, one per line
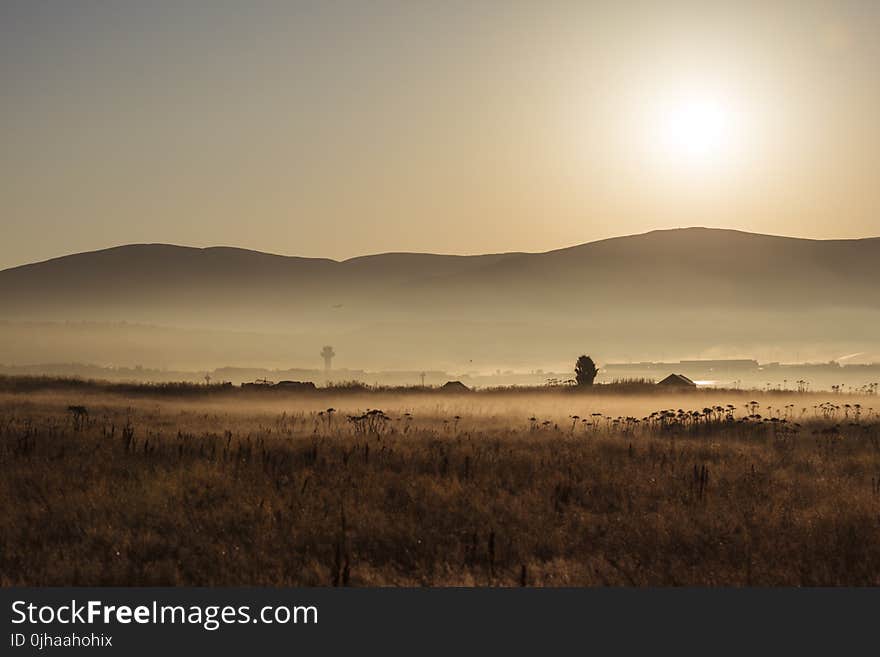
477 411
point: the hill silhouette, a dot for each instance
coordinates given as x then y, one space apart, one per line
680 291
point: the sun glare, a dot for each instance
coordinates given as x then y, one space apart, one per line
695 128
694 132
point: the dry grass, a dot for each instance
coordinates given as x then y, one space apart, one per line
462 491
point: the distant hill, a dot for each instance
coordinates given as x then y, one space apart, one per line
684 291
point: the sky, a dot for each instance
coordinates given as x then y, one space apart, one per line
336 129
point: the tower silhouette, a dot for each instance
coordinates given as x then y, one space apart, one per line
327 354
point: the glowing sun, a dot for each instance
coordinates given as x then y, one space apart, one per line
695 131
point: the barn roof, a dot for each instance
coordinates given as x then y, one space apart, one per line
453 386
676 380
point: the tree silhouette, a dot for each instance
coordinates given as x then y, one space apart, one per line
585 371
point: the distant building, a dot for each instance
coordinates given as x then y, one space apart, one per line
723 364
296 385
259 383
454 386
677 380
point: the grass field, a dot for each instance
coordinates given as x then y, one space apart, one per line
484 489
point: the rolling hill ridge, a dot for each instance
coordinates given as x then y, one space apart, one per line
688 289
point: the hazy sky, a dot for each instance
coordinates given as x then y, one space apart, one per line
343 128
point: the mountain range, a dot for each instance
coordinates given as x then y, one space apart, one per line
683 292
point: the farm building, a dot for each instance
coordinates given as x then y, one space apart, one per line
454 386
677 380
296 385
